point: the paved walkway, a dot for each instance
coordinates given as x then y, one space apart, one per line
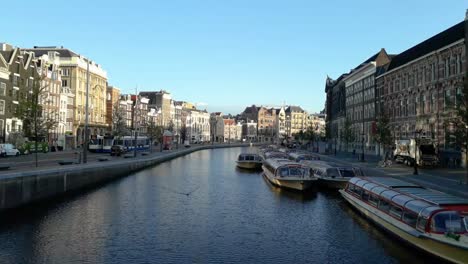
442 179
51 160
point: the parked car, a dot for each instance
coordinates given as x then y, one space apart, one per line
118 150
8 150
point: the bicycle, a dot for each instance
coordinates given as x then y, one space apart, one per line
385 163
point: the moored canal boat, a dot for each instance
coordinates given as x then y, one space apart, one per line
432 221
249 161
288 174
298 156
330 174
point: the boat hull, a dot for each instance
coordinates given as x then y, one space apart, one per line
333 183
249 165
439 249
298 185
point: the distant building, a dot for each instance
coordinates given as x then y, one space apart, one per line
73 68
112 104
160 100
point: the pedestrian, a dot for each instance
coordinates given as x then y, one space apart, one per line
354 152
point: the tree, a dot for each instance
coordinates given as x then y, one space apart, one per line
347 134
17 139
183 133
383 134
36 123
119 122
155 132
459 123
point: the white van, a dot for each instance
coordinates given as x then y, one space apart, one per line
8 150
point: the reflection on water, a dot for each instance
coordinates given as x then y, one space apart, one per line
198 208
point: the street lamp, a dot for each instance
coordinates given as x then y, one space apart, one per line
416 151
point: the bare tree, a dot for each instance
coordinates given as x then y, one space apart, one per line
36 124
119 121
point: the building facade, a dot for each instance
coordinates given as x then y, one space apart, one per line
74 76
360 101
422 85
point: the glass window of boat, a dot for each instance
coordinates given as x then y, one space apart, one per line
365 195
410 218
417 206
333 173
384 205
373 199
389 194
241 157
448 221
396 211
347 173
422 222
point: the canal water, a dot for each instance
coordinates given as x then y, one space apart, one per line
197 209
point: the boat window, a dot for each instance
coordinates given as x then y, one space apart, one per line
396 211
448 221
384 205
357 172
365 195
241 157
347 173
333 173
296 171
422 223
410 218
356 189
374 200
284 172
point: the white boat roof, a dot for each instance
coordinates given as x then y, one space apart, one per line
276 163
324 164
406 194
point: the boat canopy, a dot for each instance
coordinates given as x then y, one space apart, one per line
389 194
402 199
417 205
410 196
369 186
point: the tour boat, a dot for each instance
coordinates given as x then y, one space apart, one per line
249 161
432 221
275 155
288 174
330 174
298 156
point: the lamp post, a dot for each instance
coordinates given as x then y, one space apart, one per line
416 151
86 133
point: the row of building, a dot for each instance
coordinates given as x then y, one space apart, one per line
64 74
415 89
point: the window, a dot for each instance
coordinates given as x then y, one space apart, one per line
15 80
374 200
396 211
2 126
384 206
65 72
2 107
410 218
447 101
422 224
64 83
449 221
3 89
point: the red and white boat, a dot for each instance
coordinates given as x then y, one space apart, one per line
432 221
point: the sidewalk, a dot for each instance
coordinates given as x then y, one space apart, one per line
441 179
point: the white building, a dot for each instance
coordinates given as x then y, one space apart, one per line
198 126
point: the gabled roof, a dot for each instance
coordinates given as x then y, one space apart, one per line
7 55
229 122
434 43
293 108
66 53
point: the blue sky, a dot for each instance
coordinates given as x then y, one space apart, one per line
226 55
